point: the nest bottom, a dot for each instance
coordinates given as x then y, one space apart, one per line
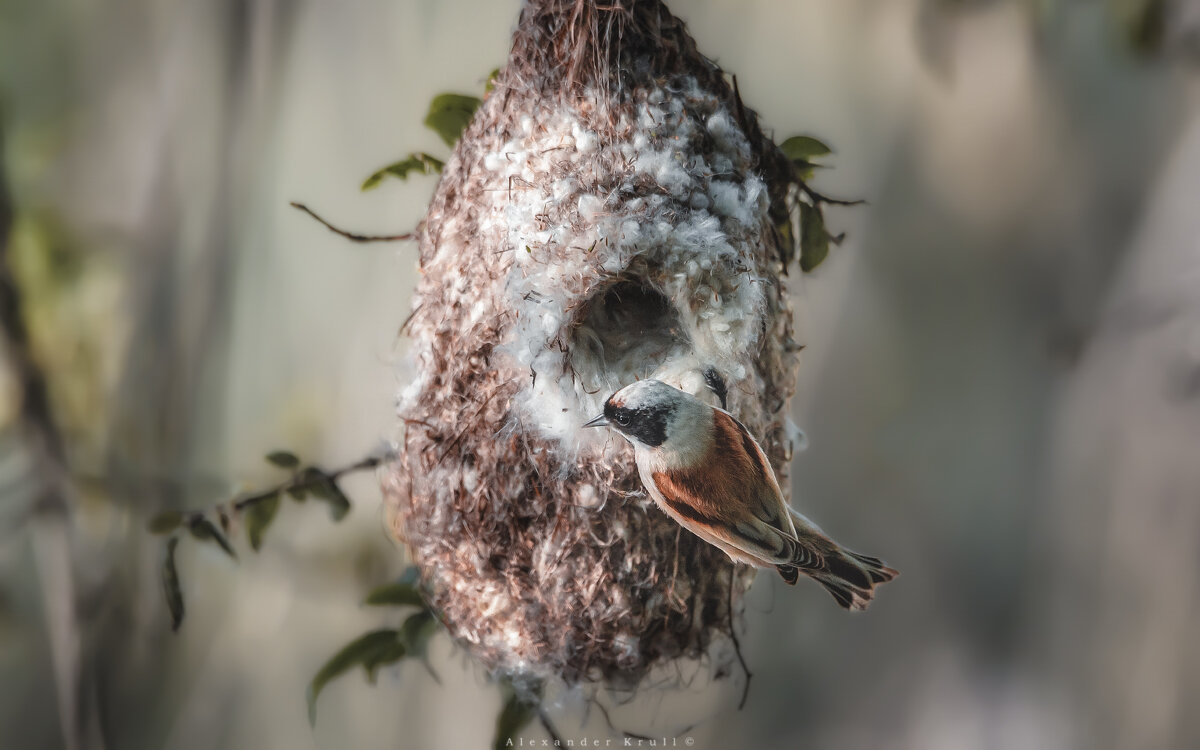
576 577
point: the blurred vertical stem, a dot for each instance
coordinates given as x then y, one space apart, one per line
50 519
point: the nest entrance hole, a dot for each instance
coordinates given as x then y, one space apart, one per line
627 331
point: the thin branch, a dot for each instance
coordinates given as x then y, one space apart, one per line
555 738
307 480
816 197
613 727
354 236
737 645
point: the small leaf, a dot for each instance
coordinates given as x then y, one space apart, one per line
421 163
417 630
170 582
325 489
368 648
491 81
513 717
804 169
165 522
399 594
803 148
787 239
814 240
449 115
283 459
258 517
388 654
339 504
318 483
305 484
204 530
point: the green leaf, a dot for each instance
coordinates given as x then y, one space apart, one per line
491 81
258 517
389 654
415 633
804 169
306 483
283 459
339 504
399 594
814 240
417 630
787 240
325 489
165 522
421 163
369 650
204 530
449 115
170 583
513 717
804 148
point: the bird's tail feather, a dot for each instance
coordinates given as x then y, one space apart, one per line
849 577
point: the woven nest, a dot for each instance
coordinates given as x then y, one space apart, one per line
608 215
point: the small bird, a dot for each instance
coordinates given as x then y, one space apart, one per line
703 469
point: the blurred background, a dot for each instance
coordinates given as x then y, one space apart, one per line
999 390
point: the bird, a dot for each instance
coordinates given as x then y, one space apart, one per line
707 472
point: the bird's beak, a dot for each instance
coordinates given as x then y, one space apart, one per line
599 421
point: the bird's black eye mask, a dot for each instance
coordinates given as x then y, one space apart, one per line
647 424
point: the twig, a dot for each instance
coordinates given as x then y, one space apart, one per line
555 738
816 197
737 645
305 480
354 236
613 727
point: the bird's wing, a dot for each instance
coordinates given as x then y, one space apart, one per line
740 504
770 508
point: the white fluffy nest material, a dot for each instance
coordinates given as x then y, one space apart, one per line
588 231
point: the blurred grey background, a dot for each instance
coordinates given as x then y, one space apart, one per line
1000 385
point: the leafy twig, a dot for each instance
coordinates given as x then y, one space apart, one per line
801 152
259 509
310 479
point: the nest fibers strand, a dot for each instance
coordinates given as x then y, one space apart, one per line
607 216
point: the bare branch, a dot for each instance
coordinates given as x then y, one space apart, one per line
737 645
555 737
354 236
817 198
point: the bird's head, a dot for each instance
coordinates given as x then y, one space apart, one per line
652 414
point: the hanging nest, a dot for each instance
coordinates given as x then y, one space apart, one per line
608 215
